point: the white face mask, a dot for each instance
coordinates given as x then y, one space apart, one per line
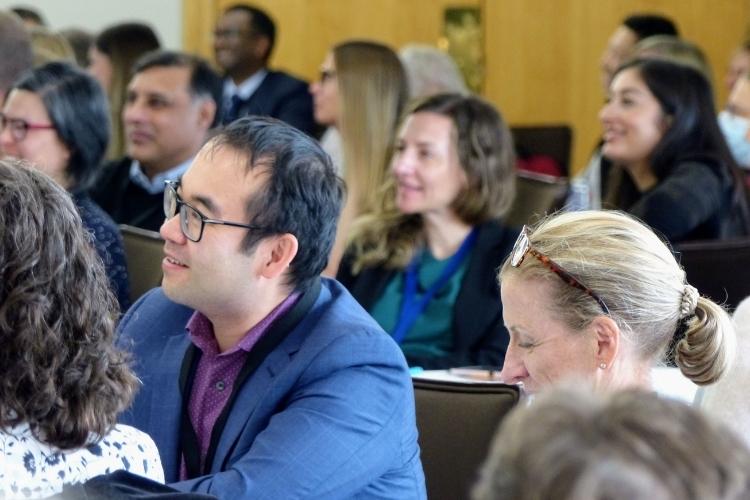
735 129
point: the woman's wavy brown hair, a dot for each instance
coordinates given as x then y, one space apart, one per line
60 372
485 150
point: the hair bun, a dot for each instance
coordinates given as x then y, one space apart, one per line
689 301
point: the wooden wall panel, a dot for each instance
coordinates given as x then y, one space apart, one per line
542 55
308 28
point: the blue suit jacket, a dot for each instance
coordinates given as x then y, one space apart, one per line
284 97
328 414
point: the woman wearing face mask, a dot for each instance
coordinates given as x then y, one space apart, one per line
423 264
675 170
55 117
735 123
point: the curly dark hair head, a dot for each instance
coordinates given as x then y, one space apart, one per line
60 372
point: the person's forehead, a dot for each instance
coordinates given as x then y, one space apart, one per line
225 169
432 127
623 39
629 80
163 79
236 19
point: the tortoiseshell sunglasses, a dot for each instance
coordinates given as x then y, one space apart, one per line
523 247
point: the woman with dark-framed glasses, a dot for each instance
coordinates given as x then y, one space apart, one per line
597 295
55 117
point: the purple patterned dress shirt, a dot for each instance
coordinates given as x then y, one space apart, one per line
217 371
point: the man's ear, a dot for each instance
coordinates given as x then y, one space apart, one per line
607 335
261 47
206 112
279 254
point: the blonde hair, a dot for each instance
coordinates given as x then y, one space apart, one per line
485 151
639 280
673 49
49 46
574 444
373 92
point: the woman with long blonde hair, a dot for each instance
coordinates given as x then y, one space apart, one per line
361 93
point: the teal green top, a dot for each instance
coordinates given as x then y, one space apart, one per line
432 332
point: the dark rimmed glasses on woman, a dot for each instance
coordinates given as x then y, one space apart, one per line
192 221
523 247
19 128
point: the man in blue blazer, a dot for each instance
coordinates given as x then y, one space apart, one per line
243 42
260 379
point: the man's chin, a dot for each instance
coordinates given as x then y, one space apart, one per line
176 293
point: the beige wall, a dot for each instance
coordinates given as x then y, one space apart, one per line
542 55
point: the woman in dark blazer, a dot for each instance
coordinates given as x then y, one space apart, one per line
424 264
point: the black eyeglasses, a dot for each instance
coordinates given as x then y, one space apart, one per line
192 221
19 128
523 247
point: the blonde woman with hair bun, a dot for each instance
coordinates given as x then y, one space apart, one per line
597 295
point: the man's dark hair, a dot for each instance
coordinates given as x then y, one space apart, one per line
29 14
646 25
204 81
302 196
260 24
77 108
125 39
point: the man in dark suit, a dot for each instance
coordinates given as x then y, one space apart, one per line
243 41
172 102
260 379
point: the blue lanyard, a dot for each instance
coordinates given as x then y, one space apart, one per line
411 308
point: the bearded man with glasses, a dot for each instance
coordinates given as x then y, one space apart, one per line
259 377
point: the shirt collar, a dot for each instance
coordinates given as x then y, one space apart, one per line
245 89
155 185
201 330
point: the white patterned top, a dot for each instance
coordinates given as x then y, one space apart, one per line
31 469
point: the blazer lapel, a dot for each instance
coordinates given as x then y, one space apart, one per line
258 102
255 390
262 382
166 405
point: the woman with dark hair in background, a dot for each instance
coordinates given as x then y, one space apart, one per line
423 264
111 59
62 380
675 170
55 117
